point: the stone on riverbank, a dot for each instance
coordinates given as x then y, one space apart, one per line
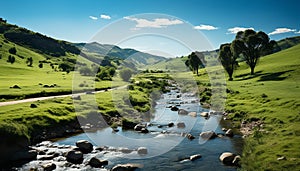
84 146
230 159
190 136
229 133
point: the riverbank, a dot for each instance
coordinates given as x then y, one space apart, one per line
265 107
175 138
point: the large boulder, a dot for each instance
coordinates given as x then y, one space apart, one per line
230 159
142 151
208 135
84 146
182 112
126 167
95 162
75 157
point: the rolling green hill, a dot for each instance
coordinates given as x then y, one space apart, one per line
97 52
271 98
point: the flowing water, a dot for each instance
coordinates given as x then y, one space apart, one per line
166 146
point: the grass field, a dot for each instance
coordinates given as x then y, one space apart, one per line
271 96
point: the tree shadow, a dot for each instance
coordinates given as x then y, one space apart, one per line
248 76
276 76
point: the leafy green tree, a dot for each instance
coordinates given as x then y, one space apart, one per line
195 60
29 61
126 74
227 59
11 59
40 65
12 50
251 45
86 71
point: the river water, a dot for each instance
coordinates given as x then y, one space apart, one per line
166 146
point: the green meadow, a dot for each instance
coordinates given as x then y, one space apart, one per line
271 96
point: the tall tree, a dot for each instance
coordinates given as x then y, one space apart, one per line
29 61
251 45
227 59
195 60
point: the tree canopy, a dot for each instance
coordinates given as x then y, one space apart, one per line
195 60
251 45
227 59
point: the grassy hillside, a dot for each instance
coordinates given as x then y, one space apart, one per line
96 52
271 97
288 42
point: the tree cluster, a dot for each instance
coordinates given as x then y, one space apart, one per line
250 46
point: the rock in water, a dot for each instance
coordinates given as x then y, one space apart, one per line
195 157
174 108
193 114
171 124
229 133
230 159
95 162
75 157
49 166
181 125
208 135
139 127
144 130
142 151
182 112
84 146
190 136
204 114
126 167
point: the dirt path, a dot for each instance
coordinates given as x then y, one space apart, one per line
59 96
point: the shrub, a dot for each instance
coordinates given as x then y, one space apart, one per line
126 74
12 50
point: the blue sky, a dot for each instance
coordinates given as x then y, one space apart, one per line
81 20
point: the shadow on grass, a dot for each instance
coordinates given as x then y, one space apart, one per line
276 76
248 76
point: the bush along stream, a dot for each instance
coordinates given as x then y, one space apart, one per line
176 137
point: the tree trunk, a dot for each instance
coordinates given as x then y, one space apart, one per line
252 70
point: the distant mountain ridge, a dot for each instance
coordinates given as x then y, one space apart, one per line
113 51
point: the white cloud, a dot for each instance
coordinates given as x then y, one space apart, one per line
106 17
156 23
205 27
235 30
281 30
93 18
297 32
